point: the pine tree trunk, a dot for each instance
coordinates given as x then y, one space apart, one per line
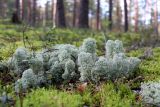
60 14
3 7
126 16
74 13
130 5
22 9
46 11
118 15
34 14
16 14
39 15
54 3
17 5
77 12
83 15
156 18
98 15
136 16
110 14
29 15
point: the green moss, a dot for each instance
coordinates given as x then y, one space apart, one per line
149 68
107 95
116 96
51 98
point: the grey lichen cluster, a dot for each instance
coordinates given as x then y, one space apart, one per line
150 93
109 67
19 62
27 80
86 58
65 63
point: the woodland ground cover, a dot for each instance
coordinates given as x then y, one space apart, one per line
120 93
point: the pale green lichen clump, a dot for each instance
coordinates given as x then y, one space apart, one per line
113 66
66 62
150 93
19 62
27 80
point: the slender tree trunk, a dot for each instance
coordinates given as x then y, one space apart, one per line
74 12
39 15
29 15
34 13
156 18
126 16
22 9
83 15
3 7
136 15
16 14
118 15
147 9
46 15
98 15
47 10
54 8
60 14
77 12
110 14
17 5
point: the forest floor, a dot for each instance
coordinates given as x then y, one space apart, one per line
121 93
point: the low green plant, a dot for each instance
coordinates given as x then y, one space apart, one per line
111 95
51 98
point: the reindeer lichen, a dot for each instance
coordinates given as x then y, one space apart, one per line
150 93
66 62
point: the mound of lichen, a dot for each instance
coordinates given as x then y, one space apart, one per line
68 63
150 93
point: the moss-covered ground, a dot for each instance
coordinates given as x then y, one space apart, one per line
107 94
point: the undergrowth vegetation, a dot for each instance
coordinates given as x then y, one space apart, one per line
123 92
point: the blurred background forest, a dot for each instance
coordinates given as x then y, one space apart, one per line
114 15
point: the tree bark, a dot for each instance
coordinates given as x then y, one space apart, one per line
3 9
156 18
110 14
34 13
118 15
77 12
74 13
29 15
22 10
83 15
17 5
136 16
126 16
54 3
46 11
98 15
60 14
16 14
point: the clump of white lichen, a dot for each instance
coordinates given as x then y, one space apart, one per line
150 93
27 80
19 62
66 62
